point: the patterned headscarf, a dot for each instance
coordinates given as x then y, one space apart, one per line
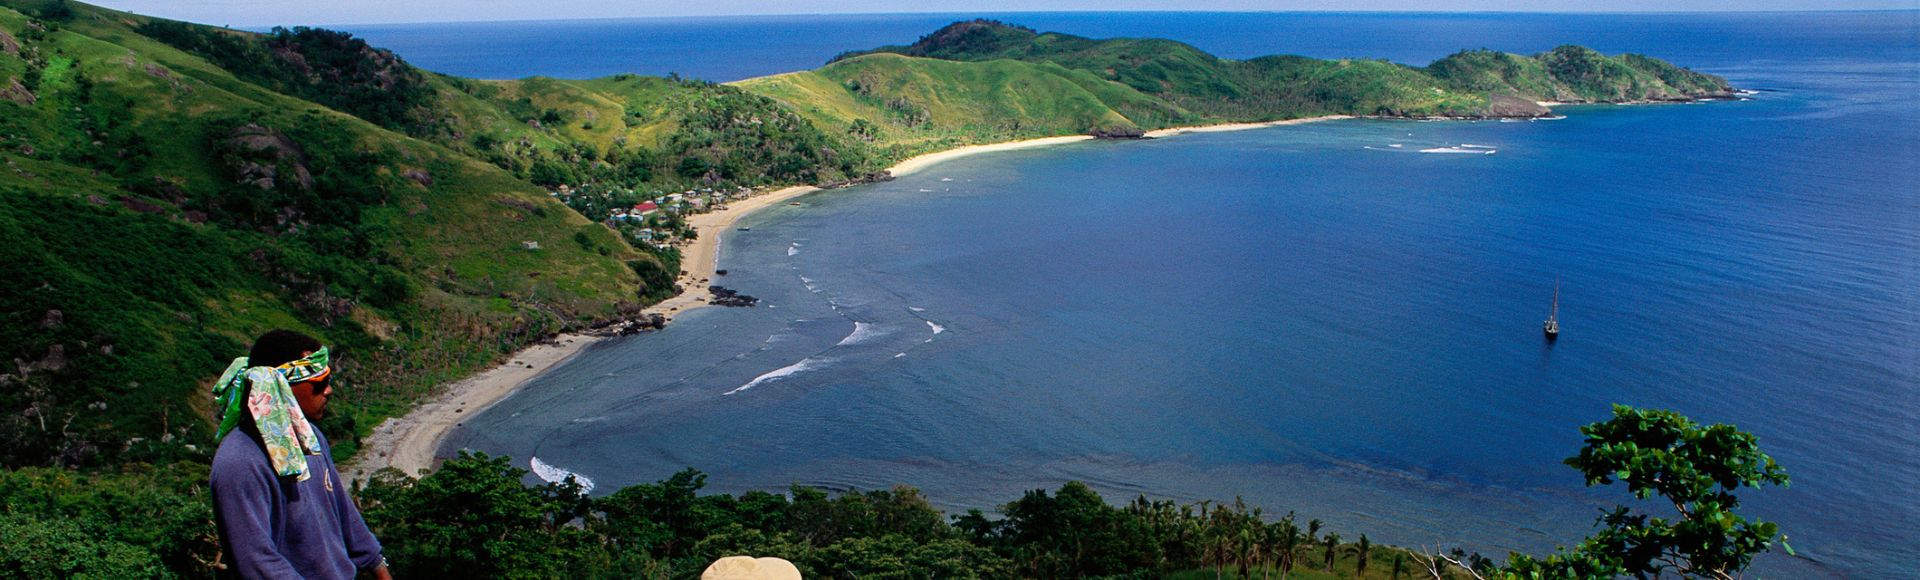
283 427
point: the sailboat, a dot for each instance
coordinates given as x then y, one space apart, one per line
1553 317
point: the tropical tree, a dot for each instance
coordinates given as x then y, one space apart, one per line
1697 469
1332 542
1285 544
1360 556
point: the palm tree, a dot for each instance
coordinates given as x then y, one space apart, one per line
1360 556
1333 541
1209 540
1249 527
1288 544
1399 564
1313 529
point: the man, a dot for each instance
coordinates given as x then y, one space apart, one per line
282 509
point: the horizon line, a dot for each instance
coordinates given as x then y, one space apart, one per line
1017 12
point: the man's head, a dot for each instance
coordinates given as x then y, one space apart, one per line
280 347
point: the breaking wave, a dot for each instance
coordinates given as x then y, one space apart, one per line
551 474
862 332
804 365
937 329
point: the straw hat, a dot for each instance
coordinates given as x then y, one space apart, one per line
750 568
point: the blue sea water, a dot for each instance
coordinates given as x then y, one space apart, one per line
1307 316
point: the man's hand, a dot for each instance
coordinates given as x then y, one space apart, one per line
381 573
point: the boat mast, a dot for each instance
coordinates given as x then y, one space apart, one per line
1555 314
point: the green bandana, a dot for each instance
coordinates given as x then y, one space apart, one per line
283 427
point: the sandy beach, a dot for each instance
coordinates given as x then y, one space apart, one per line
919 162
1171 131
409 443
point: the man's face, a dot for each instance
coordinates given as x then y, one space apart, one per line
312 395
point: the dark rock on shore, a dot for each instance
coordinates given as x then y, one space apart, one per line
725 297
1512 106
875 177
1118 133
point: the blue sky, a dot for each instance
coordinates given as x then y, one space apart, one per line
271 12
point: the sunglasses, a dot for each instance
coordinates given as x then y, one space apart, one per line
320 383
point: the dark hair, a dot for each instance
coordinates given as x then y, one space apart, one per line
278 347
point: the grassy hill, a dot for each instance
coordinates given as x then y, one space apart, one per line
1174 76
159 210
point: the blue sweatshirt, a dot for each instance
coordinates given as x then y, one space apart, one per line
274 527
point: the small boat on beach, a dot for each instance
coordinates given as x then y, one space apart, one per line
1552 325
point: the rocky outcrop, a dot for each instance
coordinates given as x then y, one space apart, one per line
875 177
1506 105
1118 133
18 93
266 158
726 297
9 46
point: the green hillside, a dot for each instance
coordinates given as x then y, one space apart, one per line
158 211
1172 76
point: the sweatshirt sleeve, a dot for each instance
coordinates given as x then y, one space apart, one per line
244 499
362 547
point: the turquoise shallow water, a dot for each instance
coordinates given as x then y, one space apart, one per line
1316 320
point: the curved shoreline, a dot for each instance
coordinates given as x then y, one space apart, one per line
411 442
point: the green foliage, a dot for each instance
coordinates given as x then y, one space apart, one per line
1155 83
325 66
94 317
1697 468
474 519
59 548
467 516
159 211
757 141
141 521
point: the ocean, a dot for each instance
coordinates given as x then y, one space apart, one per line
1318 318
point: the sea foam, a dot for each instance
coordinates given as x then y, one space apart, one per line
1474 150
862 332
805 364
937 329
551 474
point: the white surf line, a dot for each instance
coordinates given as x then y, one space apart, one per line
551 474
805 364
862 332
